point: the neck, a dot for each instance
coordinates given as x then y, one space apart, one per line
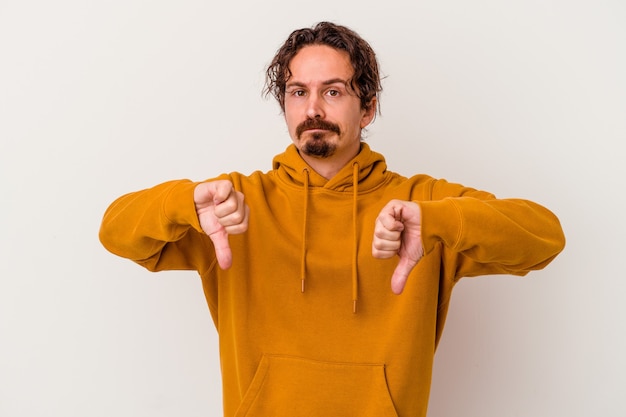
328 167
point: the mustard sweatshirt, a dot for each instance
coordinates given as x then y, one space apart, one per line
285 352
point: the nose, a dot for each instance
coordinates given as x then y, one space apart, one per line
315 108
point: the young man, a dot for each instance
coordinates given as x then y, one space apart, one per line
297 277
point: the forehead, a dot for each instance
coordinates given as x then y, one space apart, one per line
319 63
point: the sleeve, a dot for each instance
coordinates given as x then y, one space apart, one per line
158 228
483 235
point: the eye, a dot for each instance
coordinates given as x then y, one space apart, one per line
333 93
297 93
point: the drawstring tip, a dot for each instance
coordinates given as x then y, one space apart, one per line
302 285
354 306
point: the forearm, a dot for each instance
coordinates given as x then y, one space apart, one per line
496 236
138 225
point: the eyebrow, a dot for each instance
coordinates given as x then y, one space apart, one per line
327 82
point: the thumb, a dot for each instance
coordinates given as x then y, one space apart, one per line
222 248
401 274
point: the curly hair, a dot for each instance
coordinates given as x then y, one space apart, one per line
366 80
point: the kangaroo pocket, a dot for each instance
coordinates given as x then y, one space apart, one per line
286 386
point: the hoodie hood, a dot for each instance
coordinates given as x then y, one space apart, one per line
366 171
372 168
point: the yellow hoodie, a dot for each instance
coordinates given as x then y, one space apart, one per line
291 343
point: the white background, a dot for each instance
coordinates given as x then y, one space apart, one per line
99 98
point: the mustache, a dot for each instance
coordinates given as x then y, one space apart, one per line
316 124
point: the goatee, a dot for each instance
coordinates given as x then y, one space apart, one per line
317 145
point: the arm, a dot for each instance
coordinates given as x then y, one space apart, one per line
163 227
488 235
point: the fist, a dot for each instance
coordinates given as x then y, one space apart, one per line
221 211
398 231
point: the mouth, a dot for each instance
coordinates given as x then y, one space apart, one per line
316 130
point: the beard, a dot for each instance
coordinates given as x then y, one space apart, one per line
317 145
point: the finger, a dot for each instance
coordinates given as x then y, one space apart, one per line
385 242
401 275
387 227
233 212
385 248
384 238
389 220
383 233
222 249
383 254
223 191
241 225
203 194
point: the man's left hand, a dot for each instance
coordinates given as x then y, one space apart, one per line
398 231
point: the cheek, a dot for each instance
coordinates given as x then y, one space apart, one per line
292 124
288 117
357 120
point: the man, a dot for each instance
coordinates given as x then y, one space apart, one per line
297 276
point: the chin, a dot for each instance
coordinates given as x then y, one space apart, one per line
319 148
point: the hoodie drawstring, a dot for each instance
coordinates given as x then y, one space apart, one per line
306 208
355 234
355 239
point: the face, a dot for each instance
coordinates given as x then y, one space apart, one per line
324 116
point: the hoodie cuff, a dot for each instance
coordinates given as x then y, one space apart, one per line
441 222
179 206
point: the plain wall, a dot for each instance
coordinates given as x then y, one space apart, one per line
99 98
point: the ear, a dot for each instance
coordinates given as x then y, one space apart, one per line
368 113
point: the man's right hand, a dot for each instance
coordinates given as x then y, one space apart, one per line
221 211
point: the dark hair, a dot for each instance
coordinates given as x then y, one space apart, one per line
366 79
